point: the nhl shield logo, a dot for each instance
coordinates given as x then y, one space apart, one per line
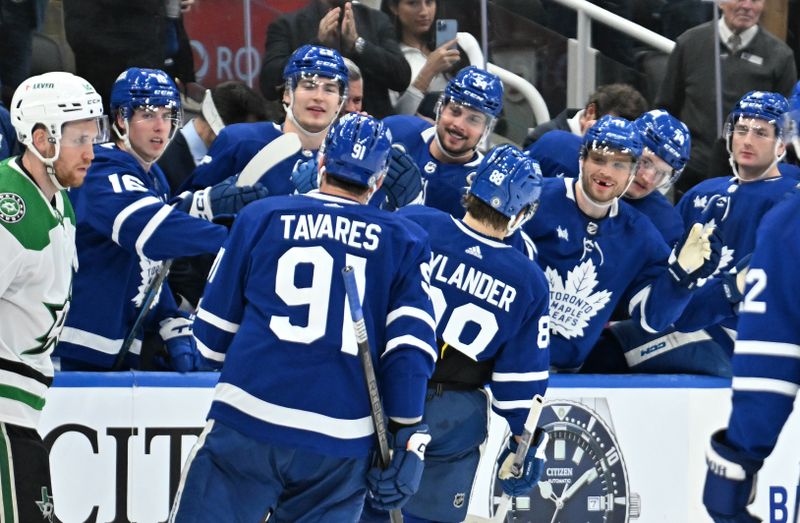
458 500
12 207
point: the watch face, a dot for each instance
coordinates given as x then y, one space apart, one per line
584 479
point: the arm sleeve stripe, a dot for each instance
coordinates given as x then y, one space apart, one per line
96 342
412 312
127 211
767 348
409 340
151 227
511 405
787 388
217 322
520 376
207 353
406 421
640 300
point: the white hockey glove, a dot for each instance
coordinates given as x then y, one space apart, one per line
696 256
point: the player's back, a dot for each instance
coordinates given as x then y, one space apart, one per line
558 154
280 281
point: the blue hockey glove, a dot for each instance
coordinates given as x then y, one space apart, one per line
181 347
305 175
390 488
403 181
224 199
696 256
733 281
730 482
532 467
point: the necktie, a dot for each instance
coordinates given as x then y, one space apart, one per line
734 43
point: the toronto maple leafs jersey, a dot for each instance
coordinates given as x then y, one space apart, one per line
125 230
592 265
275 314
233 149
491 304
766 360
37 242
443 184
558 153
662 213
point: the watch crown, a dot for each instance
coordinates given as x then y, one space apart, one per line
634 506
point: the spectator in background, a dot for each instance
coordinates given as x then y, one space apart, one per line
358 32
8 137
18 20
751 59
110 36
355 89
431 67
228 103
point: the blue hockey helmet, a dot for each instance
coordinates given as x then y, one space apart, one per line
667 137
476 88
138 87
615 133
509 181
791 125
315 60
761 105
356 149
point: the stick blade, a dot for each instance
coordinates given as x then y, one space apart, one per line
268 157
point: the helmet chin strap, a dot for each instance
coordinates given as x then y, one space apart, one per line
49 166
132 150
735 166
303 130
602 206
450 156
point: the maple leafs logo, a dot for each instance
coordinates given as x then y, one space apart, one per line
573 302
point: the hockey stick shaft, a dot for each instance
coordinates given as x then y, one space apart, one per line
149 295
364 353
268 157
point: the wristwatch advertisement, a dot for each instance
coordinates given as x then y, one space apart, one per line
585 479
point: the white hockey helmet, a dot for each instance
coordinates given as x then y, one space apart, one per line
51 100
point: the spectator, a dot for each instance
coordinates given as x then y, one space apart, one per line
751 59
18 20
358 32
110 36
228 103
431 67
355 89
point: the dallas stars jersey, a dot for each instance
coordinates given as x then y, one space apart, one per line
125 229
234 147
491 303
766 360
37 242
275 312
592 265
443 184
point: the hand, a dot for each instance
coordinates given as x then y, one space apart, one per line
305 175
696 256
328 31
349 33
733 281
532 466
390 488
181 346
443 57
730 482
403 181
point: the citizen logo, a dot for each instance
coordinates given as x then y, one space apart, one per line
559 472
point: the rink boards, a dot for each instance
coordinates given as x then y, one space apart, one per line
118 441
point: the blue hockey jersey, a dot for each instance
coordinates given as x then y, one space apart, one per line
491 304
275 313
231 151
125 229
558 153
443 184
662 213
766 361
592 265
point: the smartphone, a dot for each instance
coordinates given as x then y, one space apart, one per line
446 30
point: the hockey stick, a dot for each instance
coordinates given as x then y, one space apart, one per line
515 470
268 157
376 407
149 295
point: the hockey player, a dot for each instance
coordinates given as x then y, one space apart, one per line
289 430
126 230
766 368
492 306
579 232
57 117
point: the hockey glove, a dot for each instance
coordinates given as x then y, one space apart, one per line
532 467
733 281
403 182
696 256
391 487
730 482
181 347
305 175
224 199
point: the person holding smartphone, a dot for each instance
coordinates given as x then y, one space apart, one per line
431 59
